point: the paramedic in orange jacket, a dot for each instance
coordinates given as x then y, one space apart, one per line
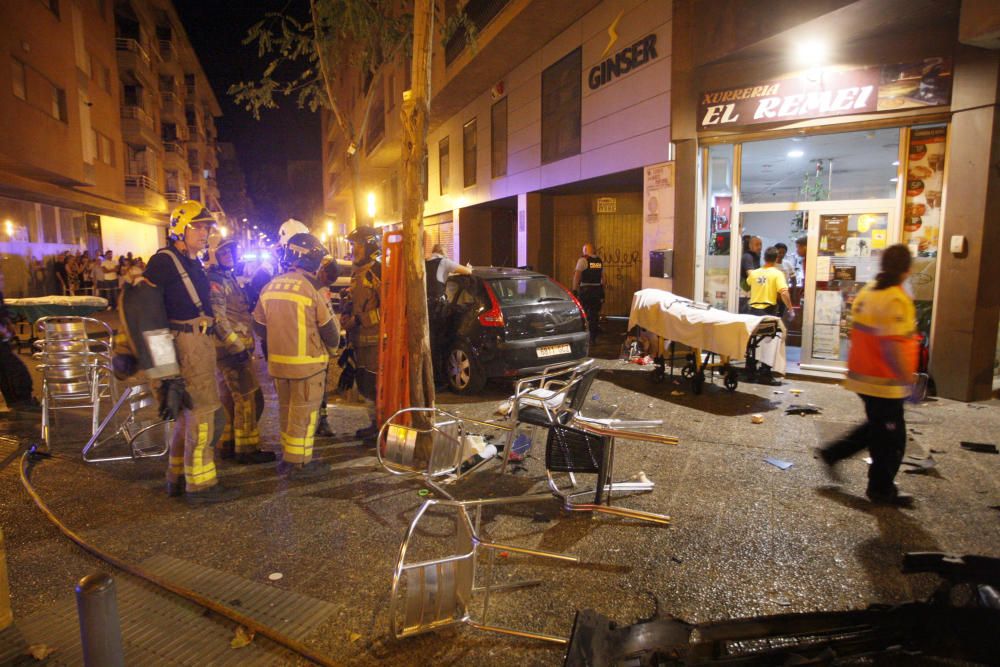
298 330
880 369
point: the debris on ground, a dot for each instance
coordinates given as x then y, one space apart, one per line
40 651
676 393
918 466
807 409
981 447
504 407
757 418
778 463
275 576
423 492
796 392
639 477
242 637
595 397
353 637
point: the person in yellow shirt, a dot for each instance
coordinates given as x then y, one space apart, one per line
880 369
767 285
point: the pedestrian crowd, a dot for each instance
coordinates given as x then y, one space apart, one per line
80 274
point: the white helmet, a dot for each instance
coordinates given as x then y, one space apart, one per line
290 228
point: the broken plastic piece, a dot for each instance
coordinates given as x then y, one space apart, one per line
802 410
757 419
778 463
981 447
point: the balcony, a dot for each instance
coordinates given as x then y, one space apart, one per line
196 133
138 126
170 106
140 190
175 156
479 13
175 196
132 57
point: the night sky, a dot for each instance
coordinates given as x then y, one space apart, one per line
216 29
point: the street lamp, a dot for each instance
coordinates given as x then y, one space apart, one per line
371 205
328 237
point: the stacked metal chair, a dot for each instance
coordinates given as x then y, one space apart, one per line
75 367
133 417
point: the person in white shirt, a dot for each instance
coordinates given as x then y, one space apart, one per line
109 279
786 264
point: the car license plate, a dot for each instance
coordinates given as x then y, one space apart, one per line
553 350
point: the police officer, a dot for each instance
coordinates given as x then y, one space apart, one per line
241 394
362 323
194 399
298 330
588 283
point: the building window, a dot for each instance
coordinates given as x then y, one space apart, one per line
19 79
443 165
105 149
469 153
498 139
561 99
52 6
58 104
423 177
195 192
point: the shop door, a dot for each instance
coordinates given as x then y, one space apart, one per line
846 240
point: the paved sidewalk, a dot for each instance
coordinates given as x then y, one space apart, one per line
746 537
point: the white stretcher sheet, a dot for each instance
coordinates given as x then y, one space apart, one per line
89 301
677 319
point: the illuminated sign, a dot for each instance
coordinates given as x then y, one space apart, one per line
630 58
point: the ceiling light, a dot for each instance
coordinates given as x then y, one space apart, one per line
895 163
894 179
811 52
795 153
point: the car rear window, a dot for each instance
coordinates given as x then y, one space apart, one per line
523 291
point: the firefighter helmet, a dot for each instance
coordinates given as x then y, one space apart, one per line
233 247
188 213
305 251
288 229
369 238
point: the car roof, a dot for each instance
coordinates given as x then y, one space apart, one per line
494 272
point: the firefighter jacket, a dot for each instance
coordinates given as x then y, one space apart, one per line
884 321
233 321
292 310
366 304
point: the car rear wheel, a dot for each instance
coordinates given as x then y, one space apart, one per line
465 375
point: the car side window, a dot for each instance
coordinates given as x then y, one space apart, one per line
451 288
467 296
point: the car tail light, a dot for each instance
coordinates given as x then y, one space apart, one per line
579 306
494 316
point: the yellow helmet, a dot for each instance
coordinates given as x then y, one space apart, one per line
186 214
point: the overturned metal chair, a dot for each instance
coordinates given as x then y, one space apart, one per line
557 396
436 593
439 450
75 368
588 448
144 433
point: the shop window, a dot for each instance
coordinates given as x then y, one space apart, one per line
49 234
22 220
443 166
850 165
469 153
19 79
498 139
67 233
719 205
561 102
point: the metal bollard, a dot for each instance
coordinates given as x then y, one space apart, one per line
6 614
100 628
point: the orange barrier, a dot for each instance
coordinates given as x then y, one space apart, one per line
393 389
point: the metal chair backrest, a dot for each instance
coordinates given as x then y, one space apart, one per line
433 451
573 450
581 388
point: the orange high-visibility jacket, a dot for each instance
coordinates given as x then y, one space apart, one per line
882 318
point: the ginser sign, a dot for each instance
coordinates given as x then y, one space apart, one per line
831 93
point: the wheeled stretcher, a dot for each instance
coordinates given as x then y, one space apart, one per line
715 337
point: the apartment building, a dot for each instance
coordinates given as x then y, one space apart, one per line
540 138
107 121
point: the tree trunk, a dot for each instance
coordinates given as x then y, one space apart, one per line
414 112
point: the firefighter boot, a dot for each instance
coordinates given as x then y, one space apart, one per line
255 457
323 429
369 432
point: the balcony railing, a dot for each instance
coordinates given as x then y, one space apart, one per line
175 196
479 13
136 113
140 181
133 46
173 147
167 51
169 98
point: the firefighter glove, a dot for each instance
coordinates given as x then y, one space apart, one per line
173 399
241 357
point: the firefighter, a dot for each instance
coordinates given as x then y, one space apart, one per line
192 399
362 323
295 323
588 284
242 397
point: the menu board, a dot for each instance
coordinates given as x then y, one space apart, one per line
924 183
832 233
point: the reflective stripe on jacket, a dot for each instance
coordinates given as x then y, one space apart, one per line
882 319
293 311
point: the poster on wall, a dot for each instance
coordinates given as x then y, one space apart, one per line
832 233
658 219
659 180
924 184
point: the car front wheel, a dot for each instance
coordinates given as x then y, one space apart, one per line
465 375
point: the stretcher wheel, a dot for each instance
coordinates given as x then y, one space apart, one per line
688 372
659 374
732 381
698 382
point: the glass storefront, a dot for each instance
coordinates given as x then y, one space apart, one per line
834 201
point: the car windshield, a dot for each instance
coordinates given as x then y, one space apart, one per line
522 291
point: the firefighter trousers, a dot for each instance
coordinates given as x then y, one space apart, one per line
298 414
243 402
192 447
